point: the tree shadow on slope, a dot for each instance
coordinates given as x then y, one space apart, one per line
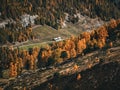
99 77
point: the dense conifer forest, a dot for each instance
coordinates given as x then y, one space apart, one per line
51 13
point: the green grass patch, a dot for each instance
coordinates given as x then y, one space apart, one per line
39 45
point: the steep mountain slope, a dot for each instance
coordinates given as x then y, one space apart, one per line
54 13
51 12
102 76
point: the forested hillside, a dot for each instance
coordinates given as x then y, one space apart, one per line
52 13
15 60
96 22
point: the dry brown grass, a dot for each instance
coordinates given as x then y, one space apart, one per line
46 33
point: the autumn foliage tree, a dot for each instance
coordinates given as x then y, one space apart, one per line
102 34
13 69
113 23
81 45
86 35
15 59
